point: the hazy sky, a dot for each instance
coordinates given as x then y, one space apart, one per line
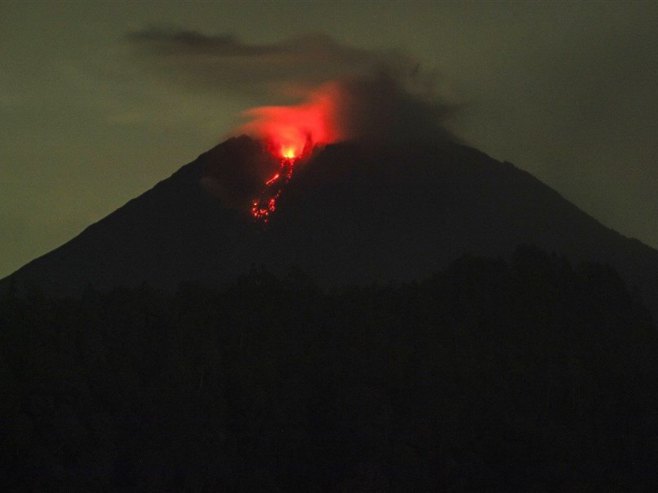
565 90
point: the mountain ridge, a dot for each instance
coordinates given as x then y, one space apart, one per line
353 213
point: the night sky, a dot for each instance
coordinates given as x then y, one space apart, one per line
100 100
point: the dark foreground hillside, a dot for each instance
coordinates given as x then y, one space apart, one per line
528 375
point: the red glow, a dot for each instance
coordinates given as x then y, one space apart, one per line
291 133
265 205
273 179
289 152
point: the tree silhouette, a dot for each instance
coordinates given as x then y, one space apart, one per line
531 374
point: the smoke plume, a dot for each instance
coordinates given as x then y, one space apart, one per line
318 91
330 90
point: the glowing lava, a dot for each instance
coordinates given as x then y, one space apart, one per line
288 152
265 205
290 134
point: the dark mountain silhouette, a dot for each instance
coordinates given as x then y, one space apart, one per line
352 214
525 373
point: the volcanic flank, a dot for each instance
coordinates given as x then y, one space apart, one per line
351 213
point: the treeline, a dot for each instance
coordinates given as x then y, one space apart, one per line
525 375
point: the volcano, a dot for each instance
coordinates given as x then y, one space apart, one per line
352 213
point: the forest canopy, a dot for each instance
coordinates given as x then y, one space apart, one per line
531 373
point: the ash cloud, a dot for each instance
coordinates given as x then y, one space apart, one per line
309 89
374 95
222 61
380 107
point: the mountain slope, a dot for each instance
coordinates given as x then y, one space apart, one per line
352 214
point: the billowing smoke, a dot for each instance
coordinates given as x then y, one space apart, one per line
309 84
376 108
307 91
266 73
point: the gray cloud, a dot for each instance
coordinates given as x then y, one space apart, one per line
286 67
377 94
387 107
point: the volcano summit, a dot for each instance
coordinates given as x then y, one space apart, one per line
350 214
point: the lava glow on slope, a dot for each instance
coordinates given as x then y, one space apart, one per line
265 205
290 134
